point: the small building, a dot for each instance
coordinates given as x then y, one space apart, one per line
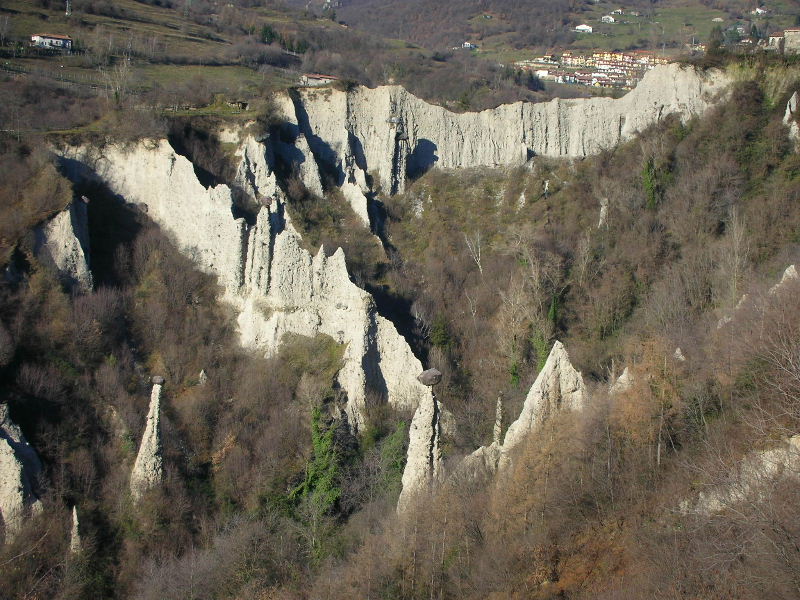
791 40
316 79
51 40
584 28
469 46
608 19
717 20
759 11
775 42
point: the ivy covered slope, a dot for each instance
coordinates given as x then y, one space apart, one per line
637 258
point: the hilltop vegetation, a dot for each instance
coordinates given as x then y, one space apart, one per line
162 52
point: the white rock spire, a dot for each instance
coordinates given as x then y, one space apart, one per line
148 470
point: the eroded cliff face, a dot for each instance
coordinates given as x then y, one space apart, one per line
19 469
389 133
63 241
558 387
274 283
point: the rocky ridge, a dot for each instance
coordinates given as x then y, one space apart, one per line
371 138
19 469
276 286
558 387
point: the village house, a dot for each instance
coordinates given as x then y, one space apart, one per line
469 46
791 40
775 42
316 79
51 40
608 19
759 11
584 28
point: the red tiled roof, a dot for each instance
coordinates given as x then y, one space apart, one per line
55 36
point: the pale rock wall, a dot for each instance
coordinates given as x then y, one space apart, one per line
148 470
64 242
19 469
276 286
790 274
623 382
326 143
387 131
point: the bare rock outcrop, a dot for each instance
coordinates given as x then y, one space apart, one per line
63 241
790 118
557 387
254 173
19 470
148 470
423 470
623 383
751 480
276 286
75 533
790 274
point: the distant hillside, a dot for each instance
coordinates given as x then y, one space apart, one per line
502 26
254 47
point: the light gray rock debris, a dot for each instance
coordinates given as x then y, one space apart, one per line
148 470
19 470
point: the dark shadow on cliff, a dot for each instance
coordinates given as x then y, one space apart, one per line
113 223
421 159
